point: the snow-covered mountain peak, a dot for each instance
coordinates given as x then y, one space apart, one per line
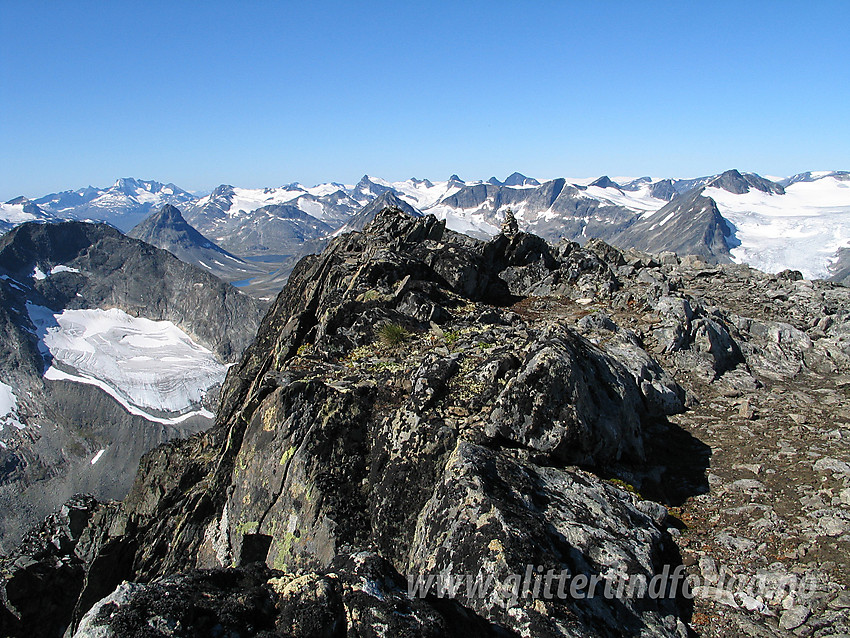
811 176
19 210
123 204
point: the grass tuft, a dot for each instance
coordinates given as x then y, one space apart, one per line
392 335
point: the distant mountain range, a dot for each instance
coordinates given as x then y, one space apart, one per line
800 222
124 204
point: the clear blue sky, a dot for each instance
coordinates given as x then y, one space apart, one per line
265 93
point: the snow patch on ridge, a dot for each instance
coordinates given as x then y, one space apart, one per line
638 201
15 214
247 200
62 268
472 223
422 196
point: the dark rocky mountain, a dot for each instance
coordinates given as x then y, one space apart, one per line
738 183
663 189
52 270
365 215
732 180
366 190
841 267
518 179
689 225
474 196
419 402
124 204
168 230
605 182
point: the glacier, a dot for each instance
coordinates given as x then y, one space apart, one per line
802 229
152 368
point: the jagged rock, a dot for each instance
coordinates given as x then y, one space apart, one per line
341 465
48 580
794 617
661 394
571 402
363 595
596 321
477 522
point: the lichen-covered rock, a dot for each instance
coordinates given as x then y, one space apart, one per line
361 596
571 402
521 404
494 514
661 393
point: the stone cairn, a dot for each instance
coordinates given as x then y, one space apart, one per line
509 227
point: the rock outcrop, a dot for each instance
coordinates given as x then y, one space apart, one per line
421 404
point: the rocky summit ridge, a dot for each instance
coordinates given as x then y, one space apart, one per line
420 402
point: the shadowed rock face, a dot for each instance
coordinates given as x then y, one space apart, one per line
841 267
690 224
167 229
735 182
417 402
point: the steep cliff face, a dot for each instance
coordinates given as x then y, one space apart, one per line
420 403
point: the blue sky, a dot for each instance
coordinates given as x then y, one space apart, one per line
266 93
